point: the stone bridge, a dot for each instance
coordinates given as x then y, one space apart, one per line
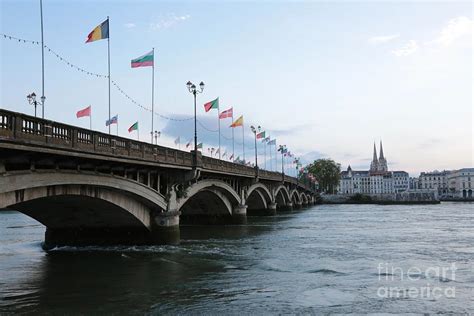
88 187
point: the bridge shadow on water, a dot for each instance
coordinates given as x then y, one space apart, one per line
135 279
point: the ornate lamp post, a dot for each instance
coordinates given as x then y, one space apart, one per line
282 149
192 89
32 100
255 131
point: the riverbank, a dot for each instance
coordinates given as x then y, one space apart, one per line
405 198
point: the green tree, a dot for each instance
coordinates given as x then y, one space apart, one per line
327 172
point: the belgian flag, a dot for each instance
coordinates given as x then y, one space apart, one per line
100 32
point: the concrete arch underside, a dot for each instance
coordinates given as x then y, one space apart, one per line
79 208
209 202
259 200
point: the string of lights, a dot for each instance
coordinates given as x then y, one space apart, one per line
119 89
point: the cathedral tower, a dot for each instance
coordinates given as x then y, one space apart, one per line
382 167
374 165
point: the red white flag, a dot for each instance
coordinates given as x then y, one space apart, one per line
226 113
84 112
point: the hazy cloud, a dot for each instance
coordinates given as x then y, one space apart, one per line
311 156
455 29
410 48
289 130
168 21
130 25
383 39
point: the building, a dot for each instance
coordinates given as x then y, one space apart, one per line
377 180
457 184
434 181
461 183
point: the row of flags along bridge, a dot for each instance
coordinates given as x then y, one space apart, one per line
101 32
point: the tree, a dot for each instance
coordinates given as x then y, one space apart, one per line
327 172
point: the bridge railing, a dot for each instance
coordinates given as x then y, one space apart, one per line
22 128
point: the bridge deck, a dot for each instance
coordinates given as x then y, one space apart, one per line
23 132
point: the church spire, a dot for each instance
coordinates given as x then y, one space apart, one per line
381 151
375 154
374 165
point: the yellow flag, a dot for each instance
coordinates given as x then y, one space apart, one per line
238 122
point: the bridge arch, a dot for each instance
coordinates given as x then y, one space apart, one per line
295 197
282 196
258 197
304 198
211 198
85 204
25 191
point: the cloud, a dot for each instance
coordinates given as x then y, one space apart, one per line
410 48
129 25
430 142
383 39
311 156
290 130
455 29
168 21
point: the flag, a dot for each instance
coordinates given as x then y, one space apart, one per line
100 32
189 143
143 61
272 142
177 140
226 113
134 127
199 146
218 151
211 105
238 122
231 157
224 154
267 139
113 120
84 112
261 135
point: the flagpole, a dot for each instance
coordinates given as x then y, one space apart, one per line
42 61
152 94
219 124
264 155
108 54
271 162
243 141
233 149
276 157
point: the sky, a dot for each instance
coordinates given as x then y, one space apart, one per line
325 78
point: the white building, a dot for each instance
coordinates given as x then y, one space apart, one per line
434 181
457 184
377 180
461 183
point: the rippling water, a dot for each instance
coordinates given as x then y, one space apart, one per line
321 260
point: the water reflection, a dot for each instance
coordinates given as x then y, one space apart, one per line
322 260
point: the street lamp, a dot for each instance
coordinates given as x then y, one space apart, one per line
32 100
282 150
157 134
192 89
254 131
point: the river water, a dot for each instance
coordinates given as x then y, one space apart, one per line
325 259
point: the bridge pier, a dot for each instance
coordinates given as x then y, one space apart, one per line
239 214
297 206
286 207
271 209
165 228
